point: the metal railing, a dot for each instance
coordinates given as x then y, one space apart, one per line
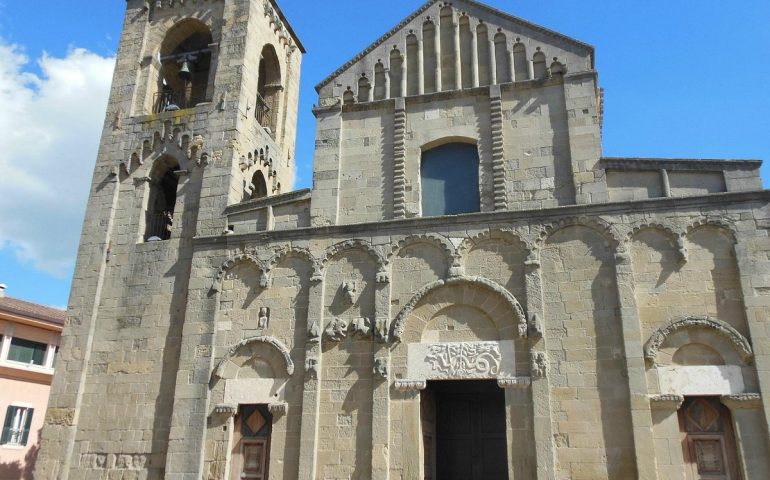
170 101
158 226
262 111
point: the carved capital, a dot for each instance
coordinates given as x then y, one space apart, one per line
411 385
742 401
278 409
666 402
226 409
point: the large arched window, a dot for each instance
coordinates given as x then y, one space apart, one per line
449 177
185 67
269 88
162 202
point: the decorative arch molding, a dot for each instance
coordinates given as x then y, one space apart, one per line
304 253
360 245
678 239
506 235
601 226
232 262
726 226
227 368
399 324
185 146
438 241
659 337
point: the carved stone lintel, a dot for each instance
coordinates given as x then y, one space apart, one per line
539 364
411 385
520 382
666 402
312 367
226 409
278 409
739 401
464 360
337 330
381 367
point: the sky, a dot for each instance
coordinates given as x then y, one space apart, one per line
685 78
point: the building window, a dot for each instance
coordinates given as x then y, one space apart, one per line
18 421
269 88
163 192
27 351
450 180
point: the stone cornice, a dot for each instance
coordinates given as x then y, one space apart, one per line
619 163
273 201
717 200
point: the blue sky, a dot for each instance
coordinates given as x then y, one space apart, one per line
686 78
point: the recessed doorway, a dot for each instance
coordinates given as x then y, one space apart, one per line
708 440
464 425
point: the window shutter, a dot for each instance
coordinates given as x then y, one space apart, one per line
7 425
27 426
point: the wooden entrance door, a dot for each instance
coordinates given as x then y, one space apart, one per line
469 440
708 440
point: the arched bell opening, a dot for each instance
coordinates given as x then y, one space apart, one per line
260 186
159 216
269 88
185 70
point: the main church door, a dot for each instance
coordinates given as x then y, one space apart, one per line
463 426
708 440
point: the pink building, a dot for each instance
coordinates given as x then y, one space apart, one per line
30 341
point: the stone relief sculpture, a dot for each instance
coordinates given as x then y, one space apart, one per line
381 367
337 330
350 291
539 365
463 360
381 330
314 332
311 367
264 318
361 327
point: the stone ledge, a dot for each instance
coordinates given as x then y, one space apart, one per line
673 164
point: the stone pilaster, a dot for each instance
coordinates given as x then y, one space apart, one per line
498 149
399 159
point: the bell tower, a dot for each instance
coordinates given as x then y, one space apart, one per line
202 116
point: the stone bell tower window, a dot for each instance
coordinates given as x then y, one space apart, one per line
185 58
449 176
160 209
260 186
269 88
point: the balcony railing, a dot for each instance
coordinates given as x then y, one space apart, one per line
262 111
170 101
158 226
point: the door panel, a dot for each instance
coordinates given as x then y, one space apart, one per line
708 440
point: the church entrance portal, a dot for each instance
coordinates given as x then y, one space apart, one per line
708 441
463 424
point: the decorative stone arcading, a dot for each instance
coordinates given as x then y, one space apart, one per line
360 245
742 401
506 235
679 239
292 251
399 325
604 228
176 141
232 262
519 382
411 385
223 370
658 338
666 402
498 150
437 241
465 360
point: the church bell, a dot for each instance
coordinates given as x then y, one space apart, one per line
184 71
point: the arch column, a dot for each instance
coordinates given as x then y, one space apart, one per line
475 56
420 66
458 56
492 62
439 60
387 84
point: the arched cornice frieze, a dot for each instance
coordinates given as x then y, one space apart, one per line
227 368
659 337
304 253
678 239
724 225
183 145
230 263
399 324
506 235
362 246
604 228
438 241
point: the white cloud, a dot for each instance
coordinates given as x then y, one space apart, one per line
50 124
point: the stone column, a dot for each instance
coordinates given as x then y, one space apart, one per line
311 396
475 57
669 455
492 62
641 418
512 62
439 62
458 56
404 74
381 381
750 436
541 389
666 183
420 66
387 84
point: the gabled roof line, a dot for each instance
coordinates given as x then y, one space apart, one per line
425 7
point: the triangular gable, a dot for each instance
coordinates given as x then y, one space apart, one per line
493 11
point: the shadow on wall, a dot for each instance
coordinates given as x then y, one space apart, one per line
15 470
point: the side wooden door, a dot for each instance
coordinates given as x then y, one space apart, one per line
708 440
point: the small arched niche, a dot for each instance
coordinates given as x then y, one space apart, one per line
269 88
259 184
186 67
161 204
449 176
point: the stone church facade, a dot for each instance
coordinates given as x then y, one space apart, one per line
469 290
